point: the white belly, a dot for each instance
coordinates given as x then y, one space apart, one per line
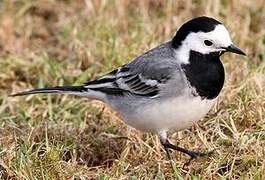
177 113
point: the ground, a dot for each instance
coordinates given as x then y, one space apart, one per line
61 42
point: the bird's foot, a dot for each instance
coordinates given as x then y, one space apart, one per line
193 155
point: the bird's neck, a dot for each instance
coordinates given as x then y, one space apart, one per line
181 53
205 73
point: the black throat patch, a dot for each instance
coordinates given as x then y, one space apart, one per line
205 73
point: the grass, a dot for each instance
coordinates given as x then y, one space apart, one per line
55 42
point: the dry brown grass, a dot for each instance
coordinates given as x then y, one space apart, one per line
55 42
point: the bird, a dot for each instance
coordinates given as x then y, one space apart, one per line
168 88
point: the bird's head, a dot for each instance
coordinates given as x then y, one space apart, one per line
204 35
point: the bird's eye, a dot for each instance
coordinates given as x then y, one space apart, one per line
208 43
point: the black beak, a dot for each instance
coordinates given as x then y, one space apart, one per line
234 49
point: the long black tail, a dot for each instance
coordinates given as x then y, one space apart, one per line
77 90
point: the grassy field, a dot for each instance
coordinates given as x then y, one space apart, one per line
62 42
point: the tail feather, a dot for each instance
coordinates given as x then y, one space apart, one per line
60 89
74 90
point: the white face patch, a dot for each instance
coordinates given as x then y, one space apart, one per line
195 41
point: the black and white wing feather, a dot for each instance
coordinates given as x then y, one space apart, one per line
124 80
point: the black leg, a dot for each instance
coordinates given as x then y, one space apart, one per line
193 155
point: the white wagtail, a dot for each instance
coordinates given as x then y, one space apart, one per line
167 88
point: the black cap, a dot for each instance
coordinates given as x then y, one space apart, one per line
199 24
